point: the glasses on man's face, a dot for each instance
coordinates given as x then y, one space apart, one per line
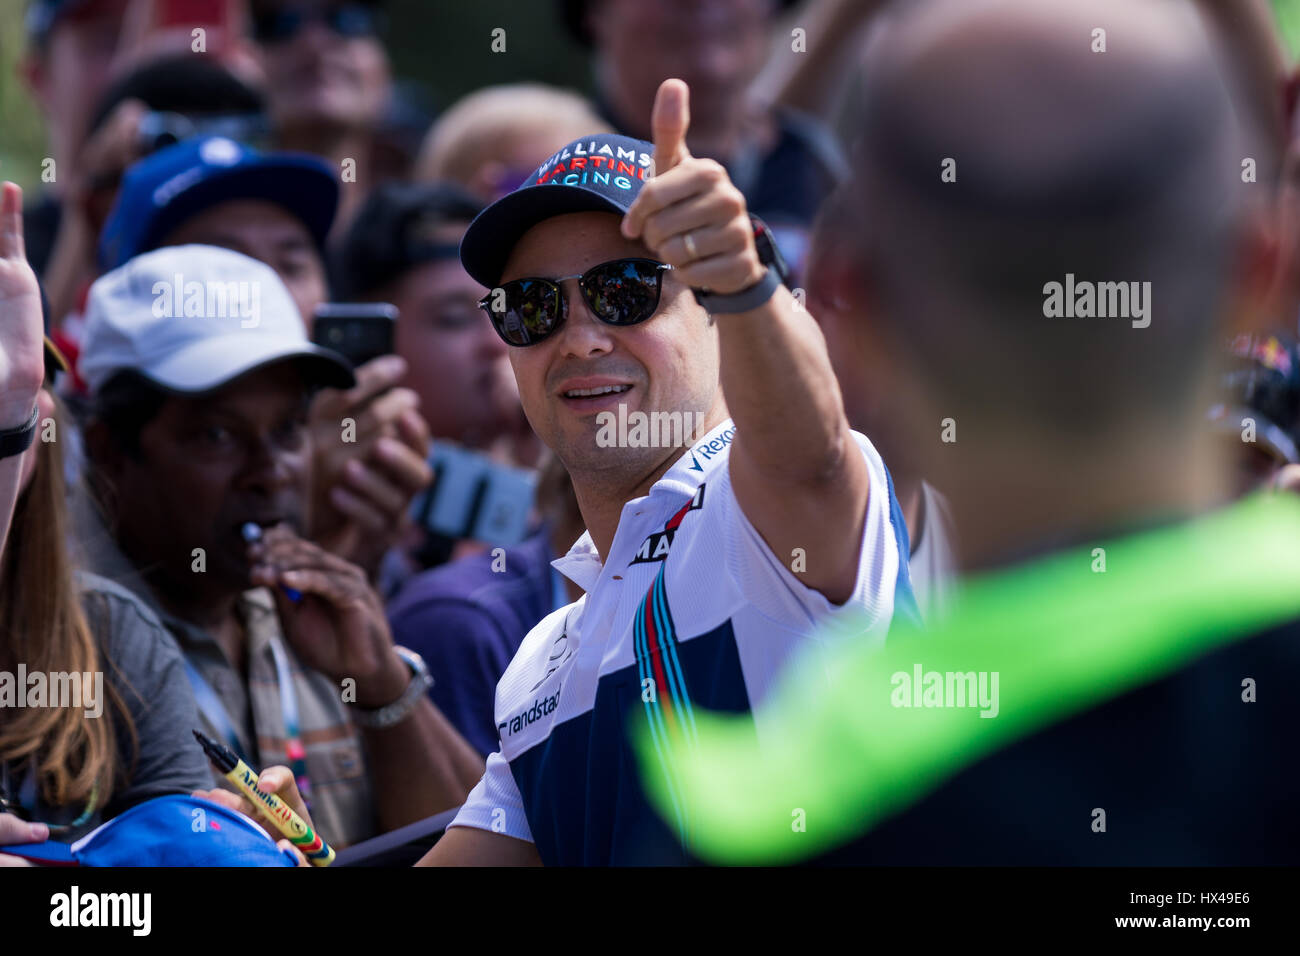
346 19
619 292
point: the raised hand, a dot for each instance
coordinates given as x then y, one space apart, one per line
690 214
22 352
338 627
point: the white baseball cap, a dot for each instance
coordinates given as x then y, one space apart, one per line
192 318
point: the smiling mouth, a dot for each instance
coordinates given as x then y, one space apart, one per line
596 392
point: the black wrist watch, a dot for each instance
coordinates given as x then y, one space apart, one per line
778 273
15 441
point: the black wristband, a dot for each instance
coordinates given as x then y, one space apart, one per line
750 298
15 441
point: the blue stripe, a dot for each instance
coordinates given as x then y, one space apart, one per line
655 717
669 641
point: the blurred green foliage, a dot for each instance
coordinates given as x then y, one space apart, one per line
444 46
1288 21
22 137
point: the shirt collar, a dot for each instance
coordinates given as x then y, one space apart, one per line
582 564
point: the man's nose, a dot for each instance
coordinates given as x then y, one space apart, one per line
271 467
583 333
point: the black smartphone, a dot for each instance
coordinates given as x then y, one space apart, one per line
359 331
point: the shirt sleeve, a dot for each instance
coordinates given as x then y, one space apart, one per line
145 668
768 583
495 803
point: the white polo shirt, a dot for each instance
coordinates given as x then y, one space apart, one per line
691 610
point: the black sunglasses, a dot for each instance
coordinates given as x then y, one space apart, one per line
618 292
347 20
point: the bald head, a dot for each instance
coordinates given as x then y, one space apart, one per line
1000 151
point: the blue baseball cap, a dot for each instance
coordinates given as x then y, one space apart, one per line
163 190
174 830
43 15
599 173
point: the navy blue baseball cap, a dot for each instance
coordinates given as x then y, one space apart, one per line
599 173
174 830
163 190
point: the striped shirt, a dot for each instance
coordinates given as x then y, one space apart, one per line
690 609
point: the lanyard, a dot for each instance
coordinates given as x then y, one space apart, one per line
214 710
289 711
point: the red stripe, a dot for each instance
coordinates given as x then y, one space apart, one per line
663 692
676 519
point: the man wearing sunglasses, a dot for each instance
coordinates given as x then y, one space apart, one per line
328 80
706 562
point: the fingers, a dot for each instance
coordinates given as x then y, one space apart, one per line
373 378
726 273
693 179
285 845
413 430
404 465
375 492
692 216
14 830
11 222
231 801
669 121
282 550
353 506
279 780
367 481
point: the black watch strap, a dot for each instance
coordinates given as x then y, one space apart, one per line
15 441
778 273
750 298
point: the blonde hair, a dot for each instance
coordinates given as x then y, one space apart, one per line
489 122
43 626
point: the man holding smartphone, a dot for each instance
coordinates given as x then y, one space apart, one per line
279 208
199 446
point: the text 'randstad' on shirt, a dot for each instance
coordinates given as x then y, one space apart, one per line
691 610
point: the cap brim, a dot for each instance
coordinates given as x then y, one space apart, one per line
492 235
297 184
48 853
208 365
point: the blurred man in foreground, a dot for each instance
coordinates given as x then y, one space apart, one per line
868 376
1117 688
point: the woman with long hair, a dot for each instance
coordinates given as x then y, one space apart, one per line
95 709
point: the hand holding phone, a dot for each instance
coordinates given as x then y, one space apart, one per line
359 331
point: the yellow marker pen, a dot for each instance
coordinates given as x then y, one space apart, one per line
307 840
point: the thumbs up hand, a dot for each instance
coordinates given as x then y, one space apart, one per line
689 214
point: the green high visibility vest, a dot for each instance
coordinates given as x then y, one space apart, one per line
1022 649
